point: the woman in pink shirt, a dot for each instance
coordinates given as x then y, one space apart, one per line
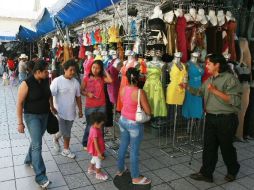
93 88
131 131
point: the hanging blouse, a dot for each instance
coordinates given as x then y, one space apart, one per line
104 37
231 32
171 36
93 38
97 35
87 65
113 33
181 38
82 52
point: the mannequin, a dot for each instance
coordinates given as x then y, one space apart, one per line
170 20
157 13
97 55
244 70
221 18
212 18
201 17
113 69
153 85
88 63
179 12
229 16
130 62
191 16
105 58
178 74
193 105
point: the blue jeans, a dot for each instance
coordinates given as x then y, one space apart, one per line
131 133
88 112
22 77
36 125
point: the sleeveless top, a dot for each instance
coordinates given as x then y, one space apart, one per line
37 100
129 106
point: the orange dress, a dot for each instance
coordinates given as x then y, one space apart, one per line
124 82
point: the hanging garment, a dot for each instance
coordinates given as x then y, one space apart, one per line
106 62
133 29
104 38
97 35
66 52
85 39
82 52
120 51
93 41
245 52
214 39
88 39
113 88
181 38
124 82
176 94
172 37
155 92
248 129
87 65
193 105
113 33
231 32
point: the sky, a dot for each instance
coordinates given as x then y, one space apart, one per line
22 8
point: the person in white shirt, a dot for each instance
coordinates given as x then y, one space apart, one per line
66 92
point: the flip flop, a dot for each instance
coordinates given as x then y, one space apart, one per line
143 181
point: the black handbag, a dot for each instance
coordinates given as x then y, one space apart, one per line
52 126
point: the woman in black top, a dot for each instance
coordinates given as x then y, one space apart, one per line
34 100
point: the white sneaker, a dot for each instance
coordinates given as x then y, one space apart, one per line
68 153
56 144
45 184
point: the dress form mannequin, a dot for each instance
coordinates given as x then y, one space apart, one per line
229 16
212 18
169 17
153 85
221 18
193 105
179 12
157 13
201 17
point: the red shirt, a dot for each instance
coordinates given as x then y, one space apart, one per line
95 133
96 87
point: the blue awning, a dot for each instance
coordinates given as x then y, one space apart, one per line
25 34
45 24
7 38
77 10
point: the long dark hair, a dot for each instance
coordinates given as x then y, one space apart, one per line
40 65
133 76
218 58
100 63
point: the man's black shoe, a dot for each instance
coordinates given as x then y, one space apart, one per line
200 177
230 178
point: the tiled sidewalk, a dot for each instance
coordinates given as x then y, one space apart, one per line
167 173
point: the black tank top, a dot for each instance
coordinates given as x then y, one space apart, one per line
37 100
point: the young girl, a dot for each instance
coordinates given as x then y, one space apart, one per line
93 88
96 146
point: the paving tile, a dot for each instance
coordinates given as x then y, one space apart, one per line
77 180
4 137
246 182
51 166
84 164
233 186
6 162
20 142
20 150
86 188
47 156
166 174
182 184
19 159
200 184
23 171
69 168
8 185
109 161
5 144
105 185
182 170
82 156
61 188
5 152
62 159
6 174
155 164
27 183
216 188
56 179
163 186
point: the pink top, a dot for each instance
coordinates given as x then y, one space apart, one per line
129 106
96 87
87 65
95 133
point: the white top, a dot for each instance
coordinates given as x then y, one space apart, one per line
65 92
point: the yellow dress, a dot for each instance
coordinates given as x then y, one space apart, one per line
176 94
113 33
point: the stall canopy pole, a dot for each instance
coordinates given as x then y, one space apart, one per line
127 29
67 34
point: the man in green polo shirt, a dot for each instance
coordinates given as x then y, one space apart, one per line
222 100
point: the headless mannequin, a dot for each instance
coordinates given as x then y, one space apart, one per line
179 12
221 18
191 16
157 13
229 16
201 17
88 62
212 18
117 63
169 17
177 60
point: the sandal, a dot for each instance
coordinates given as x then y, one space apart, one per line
91 171
101 176
143 181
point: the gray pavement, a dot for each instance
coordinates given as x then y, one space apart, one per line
166 173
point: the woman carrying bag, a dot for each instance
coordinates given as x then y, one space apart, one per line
131 125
